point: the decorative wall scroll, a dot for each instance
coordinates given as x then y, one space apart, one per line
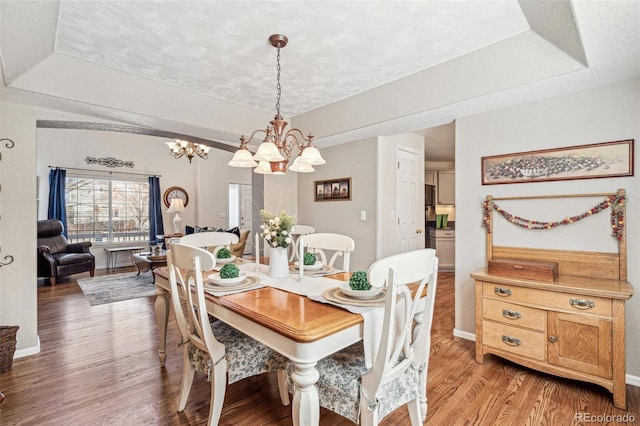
7 260
600 160
8 144
109 162
333 189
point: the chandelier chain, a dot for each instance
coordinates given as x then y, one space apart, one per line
279 88
275 151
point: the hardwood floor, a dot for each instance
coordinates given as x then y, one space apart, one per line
99 366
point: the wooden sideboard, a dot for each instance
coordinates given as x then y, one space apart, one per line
573 327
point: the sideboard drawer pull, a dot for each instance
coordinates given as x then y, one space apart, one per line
518 267
582 303
511 314
511 341
501 291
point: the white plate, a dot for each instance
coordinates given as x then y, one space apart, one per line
360 294
225 261
313 267
215 278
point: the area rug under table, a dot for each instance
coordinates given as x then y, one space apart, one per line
117 287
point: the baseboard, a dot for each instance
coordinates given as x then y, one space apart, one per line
464 335
632 380
21 353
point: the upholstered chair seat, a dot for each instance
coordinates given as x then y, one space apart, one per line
340 383
246 357
399 373
222 353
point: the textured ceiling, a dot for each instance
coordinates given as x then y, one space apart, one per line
221 48
352 69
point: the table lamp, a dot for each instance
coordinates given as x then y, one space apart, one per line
176 207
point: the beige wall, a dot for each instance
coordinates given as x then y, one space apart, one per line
601 114
596 115
18 299
357 160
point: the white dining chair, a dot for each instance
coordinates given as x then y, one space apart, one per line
399 371
323 244
298 231
213 241
222 353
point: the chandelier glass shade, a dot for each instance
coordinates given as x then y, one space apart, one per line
275 151
180 148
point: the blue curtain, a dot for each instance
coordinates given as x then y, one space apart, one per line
155 209
56 197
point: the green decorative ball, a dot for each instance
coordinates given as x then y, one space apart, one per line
359 281
309 259
223 253
229 271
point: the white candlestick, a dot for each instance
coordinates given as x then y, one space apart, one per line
257 252
301 257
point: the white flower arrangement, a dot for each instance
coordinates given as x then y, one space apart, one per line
276 230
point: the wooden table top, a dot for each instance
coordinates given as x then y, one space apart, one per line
291 315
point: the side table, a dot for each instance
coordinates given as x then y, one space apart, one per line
112 254
147 261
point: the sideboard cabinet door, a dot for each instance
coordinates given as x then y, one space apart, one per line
580 342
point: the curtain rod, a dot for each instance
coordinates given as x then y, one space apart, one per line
105 171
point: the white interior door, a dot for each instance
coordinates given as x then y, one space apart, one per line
409 202
246 214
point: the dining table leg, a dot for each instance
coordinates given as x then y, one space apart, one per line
162 318
306 407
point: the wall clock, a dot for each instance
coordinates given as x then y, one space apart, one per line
175 192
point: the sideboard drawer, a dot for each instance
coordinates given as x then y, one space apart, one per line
512 314
549 299
517 340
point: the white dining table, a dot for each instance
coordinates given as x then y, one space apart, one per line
281 316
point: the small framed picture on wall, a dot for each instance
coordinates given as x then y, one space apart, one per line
333 189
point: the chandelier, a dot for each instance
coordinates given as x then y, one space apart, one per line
180 148
277 146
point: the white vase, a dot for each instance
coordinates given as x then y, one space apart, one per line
278 262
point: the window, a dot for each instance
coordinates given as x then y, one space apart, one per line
103 210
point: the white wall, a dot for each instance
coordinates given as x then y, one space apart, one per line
206 181
602 114
212 185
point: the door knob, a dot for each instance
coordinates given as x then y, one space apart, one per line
418 231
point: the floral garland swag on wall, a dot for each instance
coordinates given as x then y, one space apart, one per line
615 202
